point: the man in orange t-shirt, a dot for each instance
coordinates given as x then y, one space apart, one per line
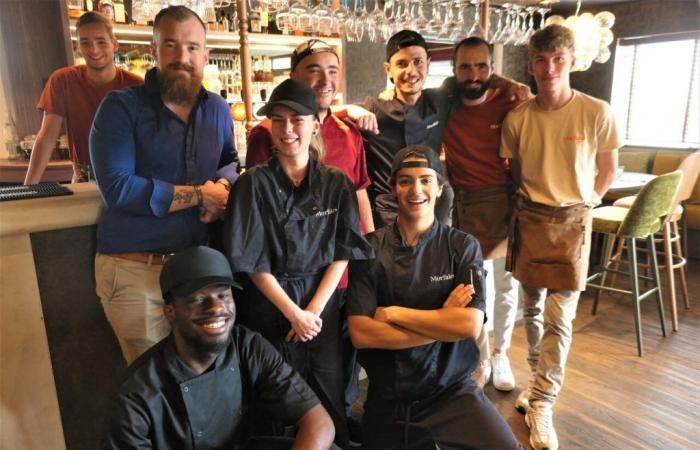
483 189
74 93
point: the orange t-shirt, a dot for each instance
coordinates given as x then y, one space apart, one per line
472 139
70 94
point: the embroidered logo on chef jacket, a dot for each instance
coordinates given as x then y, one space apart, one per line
327 212
432 125
439 278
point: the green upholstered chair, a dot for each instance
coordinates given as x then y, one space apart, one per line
645 217
674 251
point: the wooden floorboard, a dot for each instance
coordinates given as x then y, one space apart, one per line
612 399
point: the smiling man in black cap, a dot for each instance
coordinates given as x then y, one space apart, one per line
414 313
197 387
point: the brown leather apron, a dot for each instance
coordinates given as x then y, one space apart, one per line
484 213
548 246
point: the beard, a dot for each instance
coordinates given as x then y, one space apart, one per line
177 88
472 93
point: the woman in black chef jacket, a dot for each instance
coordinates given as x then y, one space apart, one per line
292 226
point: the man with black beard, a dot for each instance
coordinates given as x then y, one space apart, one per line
164 159
197 387
483 190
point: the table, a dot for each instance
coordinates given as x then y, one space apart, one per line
630 182
14 170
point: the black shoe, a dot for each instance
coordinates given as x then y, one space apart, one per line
355 432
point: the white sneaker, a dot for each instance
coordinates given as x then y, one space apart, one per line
482 374
503 379
522 403
542 433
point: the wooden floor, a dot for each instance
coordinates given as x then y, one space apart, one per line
613 399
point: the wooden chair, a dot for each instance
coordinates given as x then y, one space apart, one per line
641 220
671 238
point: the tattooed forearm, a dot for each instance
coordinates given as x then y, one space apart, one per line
183 197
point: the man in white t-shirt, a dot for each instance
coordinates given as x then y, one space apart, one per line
563 148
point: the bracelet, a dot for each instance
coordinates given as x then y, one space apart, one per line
225 183
200 197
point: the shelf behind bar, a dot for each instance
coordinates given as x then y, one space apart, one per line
268 44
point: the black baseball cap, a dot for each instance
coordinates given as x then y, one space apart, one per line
193 269
432 159
310 47
295 95
403 39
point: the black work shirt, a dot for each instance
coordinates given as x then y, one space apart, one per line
419 277
401 125
164 404
276 227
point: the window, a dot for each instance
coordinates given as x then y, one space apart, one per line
655 90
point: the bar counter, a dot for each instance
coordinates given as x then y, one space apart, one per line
46 247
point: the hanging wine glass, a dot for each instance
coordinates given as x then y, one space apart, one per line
323 19
435 24
522 38
375 23
525 39
419 22
460 31
499 25
283 19
477 30
501 37
450 22
297 11
340 16
542 12
515 26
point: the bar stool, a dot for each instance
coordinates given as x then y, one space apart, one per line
671 238
645 217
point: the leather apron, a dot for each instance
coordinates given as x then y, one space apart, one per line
549 246
485 213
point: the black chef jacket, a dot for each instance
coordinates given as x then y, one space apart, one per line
274 227
164 404
419 277
401 125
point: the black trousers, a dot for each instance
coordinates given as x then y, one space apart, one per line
463 420
318 361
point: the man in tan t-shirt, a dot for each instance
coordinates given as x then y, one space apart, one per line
563 148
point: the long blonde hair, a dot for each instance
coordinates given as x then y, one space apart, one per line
317 149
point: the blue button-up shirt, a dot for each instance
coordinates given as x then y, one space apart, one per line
140 150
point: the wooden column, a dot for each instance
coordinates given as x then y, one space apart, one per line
485 17
246 73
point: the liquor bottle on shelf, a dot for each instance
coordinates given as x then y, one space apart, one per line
254 17
11 138
119 11
264 15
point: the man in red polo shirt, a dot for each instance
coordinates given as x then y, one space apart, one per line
74 93
317 64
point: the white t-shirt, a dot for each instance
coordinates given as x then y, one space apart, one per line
557 149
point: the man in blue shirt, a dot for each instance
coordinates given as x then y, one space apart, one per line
157 149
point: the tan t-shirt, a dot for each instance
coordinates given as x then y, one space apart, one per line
557 149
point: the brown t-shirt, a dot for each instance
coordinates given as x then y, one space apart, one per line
70 94
472 139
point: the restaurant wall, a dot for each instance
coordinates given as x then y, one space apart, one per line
638 18
3 119
33 43
363 65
